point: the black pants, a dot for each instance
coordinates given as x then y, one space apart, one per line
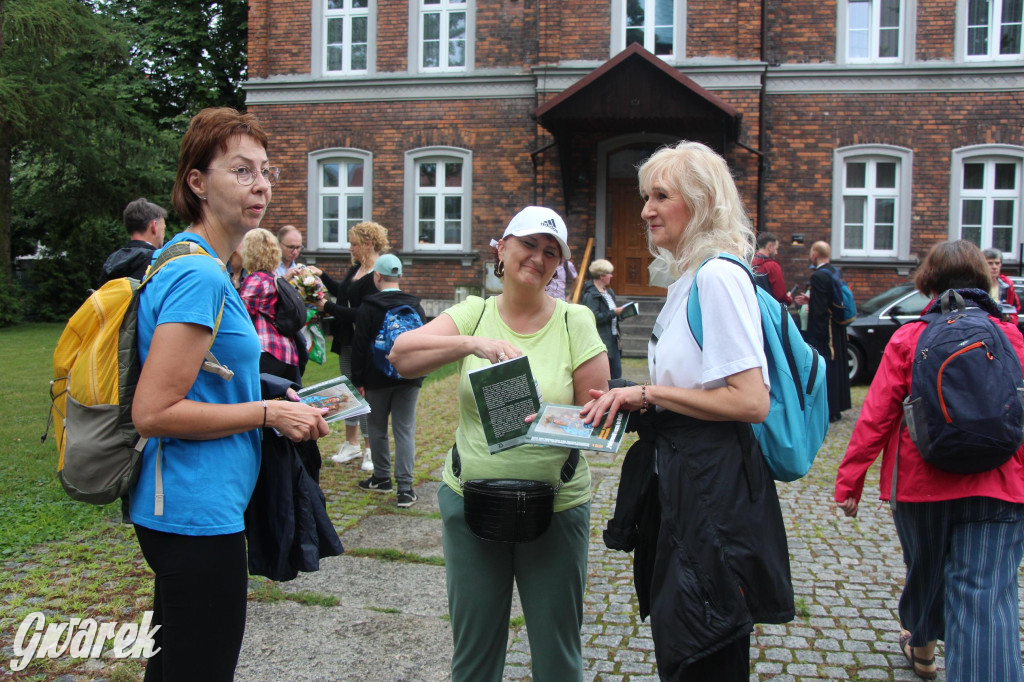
198 602
731 663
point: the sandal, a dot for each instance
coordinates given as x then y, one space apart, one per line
924 668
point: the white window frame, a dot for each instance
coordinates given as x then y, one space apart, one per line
417 11
988 154
995 22
413 159
618 31
321 13
315 193
905 42
901 215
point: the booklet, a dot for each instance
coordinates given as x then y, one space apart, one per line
339 395
630 309
505 395
562 426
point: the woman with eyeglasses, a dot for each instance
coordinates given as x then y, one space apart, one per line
200 463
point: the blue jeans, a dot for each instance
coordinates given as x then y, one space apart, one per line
962 558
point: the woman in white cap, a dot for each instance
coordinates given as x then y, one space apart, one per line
568 359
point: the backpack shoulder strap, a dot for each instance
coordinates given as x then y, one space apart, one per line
183 249
693 316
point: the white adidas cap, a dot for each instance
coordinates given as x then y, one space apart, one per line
539 220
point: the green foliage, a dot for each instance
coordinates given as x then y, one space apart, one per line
58 284
11 309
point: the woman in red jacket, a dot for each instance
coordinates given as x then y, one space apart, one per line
962 534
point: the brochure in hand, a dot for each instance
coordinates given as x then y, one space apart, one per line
339 395
630 309
562 426
506 394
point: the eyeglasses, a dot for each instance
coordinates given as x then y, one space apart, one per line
246 176
297 247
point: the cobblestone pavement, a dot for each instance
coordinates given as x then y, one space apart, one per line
847 576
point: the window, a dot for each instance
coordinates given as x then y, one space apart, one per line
874 30
438 190
346 35
652 24
443 30
871 203
987 195
339 196
994 29
655 24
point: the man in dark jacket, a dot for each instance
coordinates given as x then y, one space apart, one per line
386 395
145 223
825 333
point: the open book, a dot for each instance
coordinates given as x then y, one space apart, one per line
630 309
506 394
339 395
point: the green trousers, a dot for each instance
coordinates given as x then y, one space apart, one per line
551 574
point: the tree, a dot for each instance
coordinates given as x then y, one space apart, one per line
93 101
66 101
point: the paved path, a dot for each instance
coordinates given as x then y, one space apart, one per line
392 620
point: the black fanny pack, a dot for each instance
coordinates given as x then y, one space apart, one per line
510 510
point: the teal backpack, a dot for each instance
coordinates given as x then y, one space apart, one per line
798 417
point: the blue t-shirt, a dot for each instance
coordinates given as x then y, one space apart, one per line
207 483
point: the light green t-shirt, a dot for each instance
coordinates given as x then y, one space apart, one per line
563 344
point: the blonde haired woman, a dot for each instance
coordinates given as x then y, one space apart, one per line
720 560
367 240
600 298
261 254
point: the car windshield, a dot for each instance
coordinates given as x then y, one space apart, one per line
873 305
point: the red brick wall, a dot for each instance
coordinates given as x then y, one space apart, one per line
801 32
804 131
936 28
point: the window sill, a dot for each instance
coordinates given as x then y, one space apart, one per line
467 258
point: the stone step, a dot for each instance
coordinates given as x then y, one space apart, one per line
635 332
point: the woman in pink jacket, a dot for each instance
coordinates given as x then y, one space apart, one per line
962 534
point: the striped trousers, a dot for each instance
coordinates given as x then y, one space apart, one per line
962 558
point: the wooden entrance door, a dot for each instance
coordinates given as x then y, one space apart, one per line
627 241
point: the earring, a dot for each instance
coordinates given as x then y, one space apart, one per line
499 269
202 198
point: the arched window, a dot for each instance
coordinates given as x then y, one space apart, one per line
438 189
871 202
986 197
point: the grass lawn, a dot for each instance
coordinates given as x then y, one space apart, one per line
71 559
33 506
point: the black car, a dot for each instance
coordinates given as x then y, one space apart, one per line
877 320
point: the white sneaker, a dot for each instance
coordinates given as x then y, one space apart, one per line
346 452
367 460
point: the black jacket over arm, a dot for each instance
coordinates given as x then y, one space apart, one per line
349 293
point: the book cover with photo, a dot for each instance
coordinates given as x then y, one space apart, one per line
337 394
630 309
562 426
505 394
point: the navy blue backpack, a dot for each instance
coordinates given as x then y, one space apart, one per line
965 411
798 416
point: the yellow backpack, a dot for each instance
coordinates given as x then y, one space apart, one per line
96 368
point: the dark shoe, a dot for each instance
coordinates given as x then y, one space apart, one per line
924 668
380 485
407 498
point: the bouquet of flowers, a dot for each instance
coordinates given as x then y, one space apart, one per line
307 281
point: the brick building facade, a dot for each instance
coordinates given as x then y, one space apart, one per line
879 126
